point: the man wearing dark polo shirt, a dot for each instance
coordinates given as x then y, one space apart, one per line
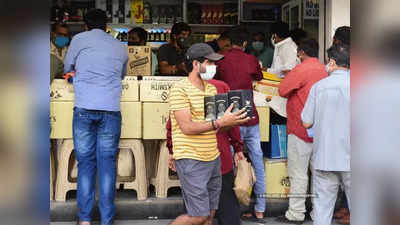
171 55
239 70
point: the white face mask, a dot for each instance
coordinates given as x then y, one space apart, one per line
211 70
328 67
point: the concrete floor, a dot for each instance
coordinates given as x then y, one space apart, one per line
270 221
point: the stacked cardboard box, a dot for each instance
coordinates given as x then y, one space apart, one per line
139 63
277 179
62 104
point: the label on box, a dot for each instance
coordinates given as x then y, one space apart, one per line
221 101
155 91
130 90
139 63
155 118
163 78
61 90
267 87
209 108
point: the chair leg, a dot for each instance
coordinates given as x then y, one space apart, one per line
52 174
62 183
161 180
140 183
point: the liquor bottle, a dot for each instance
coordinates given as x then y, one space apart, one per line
163 36
109 11
163 14
146 13
178 11
169 11
209 15
227 15
155 15
221 14
121 16
203 14
215 14
234 15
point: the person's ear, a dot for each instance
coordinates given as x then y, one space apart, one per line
86 28
244 44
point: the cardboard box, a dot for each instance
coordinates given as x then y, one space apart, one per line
61 91
131 126
263 114
155 118
155 91
61 114
277 179
241 99
209 108
139 63
164 78
267 87
130 89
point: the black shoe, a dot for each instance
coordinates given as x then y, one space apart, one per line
252 218
283 219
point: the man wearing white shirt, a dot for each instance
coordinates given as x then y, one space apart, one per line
285 54
327 110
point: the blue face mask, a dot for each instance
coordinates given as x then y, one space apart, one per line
61 41
258 45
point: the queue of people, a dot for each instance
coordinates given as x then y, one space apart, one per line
200 151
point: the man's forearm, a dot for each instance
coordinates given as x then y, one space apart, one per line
194 128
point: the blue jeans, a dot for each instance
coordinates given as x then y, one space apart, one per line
251 137
96 139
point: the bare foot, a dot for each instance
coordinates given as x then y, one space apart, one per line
84 223
260 215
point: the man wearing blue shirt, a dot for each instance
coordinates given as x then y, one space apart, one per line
99 62
327 110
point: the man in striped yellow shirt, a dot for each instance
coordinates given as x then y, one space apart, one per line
194 139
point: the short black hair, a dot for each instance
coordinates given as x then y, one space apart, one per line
178 28
343 35
142 33
96 19
225 35
239 35
189 62
259 34
281 29
341 54
298 35
54 26
310 47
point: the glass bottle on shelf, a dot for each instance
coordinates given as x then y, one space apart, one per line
178 11
155 15
227 14
163 14
203 18
146 13
234 15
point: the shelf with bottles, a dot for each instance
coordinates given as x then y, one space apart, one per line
259 12
200 13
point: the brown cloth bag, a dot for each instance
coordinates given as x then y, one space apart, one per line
245 178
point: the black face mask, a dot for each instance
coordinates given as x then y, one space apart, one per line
133 43
183 43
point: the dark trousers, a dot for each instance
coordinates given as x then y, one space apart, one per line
229 209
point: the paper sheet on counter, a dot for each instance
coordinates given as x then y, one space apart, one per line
277 103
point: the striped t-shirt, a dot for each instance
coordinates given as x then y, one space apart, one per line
184 96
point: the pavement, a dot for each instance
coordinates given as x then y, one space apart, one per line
269 221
